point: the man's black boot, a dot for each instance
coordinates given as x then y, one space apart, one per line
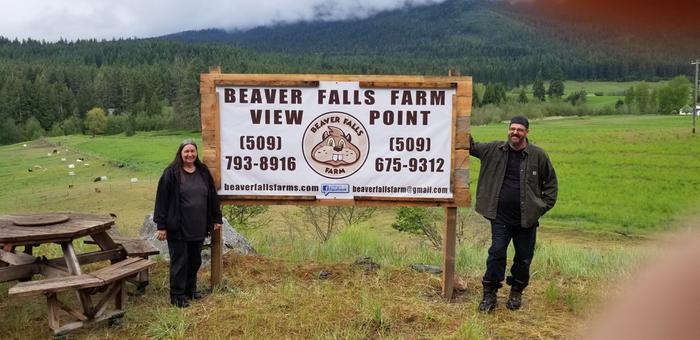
488 302
515 299
179 301
194 296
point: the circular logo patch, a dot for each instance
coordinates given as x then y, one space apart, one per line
335 145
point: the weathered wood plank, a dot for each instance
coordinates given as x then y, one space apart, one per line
18 272
133 246
102 303
409 85
67 328
16 259
267 83
104 240
92 257
77 226
74 313
462 137
448 245
54 285
136 247
53 307
122 269
52 271
222 78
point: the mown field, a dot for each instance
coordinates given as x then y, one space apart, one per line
623 181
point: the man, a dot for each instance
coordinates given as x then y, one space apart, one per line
517 185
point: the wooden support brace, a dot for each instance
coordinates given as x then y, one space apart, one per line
448 246
53 307
114 290
71 311
217 261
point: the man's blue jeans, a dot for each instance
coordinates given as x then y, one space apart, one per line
524 244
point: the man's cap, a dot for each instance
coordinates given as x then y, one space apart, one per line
522 120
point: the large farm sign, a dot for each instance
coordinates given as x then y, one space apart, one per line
337 139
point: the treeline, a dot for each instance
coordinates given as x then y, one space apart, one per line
490 41
48 88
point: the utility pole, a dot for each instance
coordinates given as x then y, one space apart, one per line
695 93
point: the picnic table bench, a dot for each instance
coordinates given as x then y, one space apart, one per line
94 290
134 247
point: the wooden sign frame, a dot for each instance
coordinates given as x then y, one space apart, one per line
461 111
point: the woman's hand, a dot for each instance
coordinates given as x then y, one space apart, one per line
160 235
217 226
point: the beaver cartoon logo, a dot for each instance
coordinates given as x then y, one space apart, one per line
335 145
336 148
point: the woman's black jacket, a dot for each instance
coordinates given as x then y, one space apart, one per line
166 214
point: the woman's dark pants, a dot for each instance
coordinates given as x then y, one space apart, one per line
524 244
185 260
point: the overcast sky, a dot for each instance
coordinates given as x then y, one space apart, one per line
82 19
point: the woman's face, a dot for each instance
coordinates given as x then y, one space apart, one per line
189 155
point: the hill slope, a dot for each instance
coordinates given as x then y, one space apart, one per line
491 41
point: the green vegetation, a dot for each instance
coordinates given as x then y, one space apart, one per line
152 84
628 174
621 178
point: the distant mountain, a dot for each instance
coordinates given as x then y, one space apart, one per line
489 40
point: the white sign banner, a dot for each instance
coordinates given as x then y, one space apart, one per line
336 140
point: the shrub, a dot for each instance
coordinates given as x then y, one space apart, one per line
32 129
56 130
73 125
116 124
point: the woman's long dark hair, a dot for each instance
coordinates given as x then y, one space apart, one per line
177 162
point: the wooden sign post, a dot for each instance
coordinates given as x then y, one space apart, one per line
312 139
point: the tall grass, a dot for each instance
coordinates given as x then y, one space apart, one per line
566 261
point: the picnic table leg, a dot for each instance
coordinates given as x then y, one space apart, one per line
120 298
104 240
74 268
53 306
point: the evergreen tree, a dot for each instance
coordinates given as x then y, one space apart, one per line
538 87
556 85
476 102
10 132
522 97
490 96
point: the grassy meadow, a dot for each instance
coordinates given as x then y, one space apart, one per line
601 94
623 181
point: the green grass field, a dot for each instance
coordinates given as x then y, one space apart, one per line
617 173
611 91
632 174
623 180
608 88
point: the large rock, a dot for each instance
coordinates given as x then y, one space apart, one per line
232 240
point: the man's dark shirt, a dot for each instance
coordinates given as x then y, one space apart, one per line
508 212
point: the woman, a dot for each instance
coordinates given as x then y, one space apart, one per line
187 210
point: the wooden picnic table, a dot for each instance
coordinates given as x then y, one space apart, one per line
94 290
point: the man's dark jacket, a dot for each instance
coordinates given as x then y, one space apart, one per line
167 210
538 181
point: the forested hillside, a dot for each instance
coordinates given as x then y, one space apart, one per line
492 41
150 84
